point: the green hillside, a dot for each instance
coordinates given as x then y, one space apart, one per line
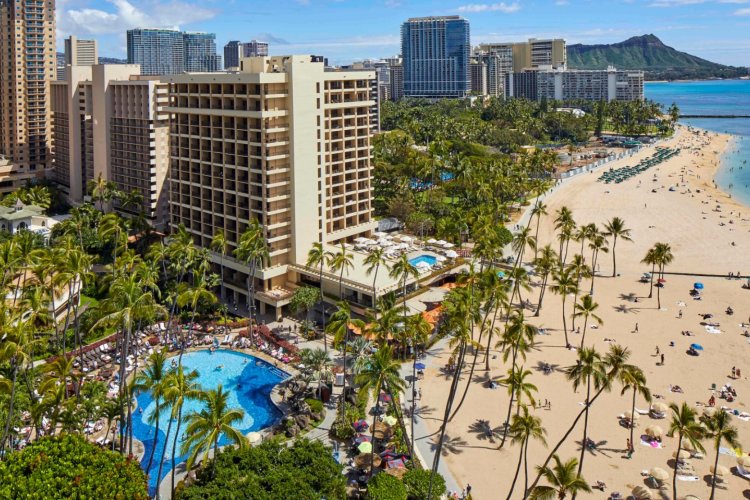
648 53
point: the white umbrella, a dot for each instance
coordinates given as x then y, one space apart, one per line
451 254
441 242
448 245
431 241
407 239
378 234
440 258
360 240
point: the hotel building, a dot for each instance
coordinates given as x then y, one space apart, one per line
284 142
129 144
27 66
567 85
80 52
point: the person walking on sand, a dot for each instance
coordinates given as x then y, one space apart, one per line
657 350
629 447
662 359
636 328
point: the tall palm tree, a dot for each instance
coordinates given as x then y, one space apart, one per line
518 388
633 378
545 265
14 350
373 261
685 424
152 380
339 327
565 284
252 249
651 258
341 262
586 309
179 387
318 361
382 373
597 244
537 211
580 271
720 429
204 428
615 228
664 257
318 257
220 245
613 363
563 480
191 296
590 371
524 428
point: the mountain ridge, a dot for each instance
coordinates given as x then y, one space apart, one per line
650 54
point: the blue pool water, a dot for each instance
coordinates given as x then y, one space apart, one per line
249 382
430 259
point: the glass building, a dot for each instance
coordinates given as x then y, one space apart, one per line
436 53
200 53
170 52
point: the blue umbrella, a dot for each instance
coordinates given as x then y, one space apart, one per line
419 366
697 347
698 286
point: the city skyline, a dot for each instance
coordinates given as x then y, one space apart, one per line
345 30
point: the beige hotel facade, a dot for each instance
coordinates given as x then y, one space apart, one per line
282 141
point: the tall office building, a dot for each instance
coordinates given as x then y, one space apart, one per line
284 142
129 144
235 50
27 66
81 52
157 51
479 77
436 53
532 54
396 70
200 53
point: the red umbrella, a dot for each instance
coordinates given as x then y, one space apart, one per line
662 280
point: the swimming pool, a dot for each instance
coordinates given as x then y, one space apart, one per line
249 381
429 259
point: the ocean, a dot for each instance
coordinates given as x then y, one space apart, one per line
720 97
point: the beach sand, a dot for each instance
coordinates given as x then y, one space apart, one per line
701 240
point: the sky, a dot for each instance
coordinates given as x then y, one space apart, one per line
347 30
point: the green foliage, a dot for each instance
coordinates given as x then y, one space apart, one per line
68 466
648 53
386 487
417 482
304 299
306 470
316 405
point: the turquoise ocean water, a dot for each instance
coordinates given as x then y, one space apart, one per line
725 97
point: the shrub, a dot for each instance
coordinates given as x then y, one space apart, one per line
68 466
316 405
386 487
417 483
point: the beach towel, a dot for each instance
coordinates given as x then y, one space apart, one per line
727 451
687 478
651 444
641 412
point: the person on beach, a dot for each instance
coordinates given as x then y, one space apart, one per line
636 328
629 448
662 359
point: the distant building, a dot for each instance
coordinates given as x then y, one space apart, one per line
566 85
200 53
523 85
396 73
235 50
81 52
479 77
169 52
436 53
532 54
129 144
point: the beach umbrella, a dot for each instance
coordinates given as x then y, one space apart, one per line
390 420
720 470
398 472
662 280
687 445
431 241
365 447
451 254
659 474
697 347
254 437
631 416
362 439
384 398
364 461
744 461
360 425
684 455
654 431
698 286
642 493
419 366
659 407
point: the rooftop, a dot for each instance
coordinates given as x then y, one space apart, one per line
19 212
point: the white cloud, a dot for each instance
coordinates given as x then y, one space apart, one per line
491 7
742 12
676 3
126 14
562 3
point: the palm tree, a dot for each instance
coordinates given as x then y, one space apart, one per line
152 380
220 245
252 249
192 296
382 373
651 258
563 480
318 256
580 270
685 424
615 228
521 240
537 211
664 257
586 309
524 428
720 429
518 387
179 387
597 244
590 371
373 261
205 427
14 349
564 285
318 361
545 265
341 262
339 328
633 378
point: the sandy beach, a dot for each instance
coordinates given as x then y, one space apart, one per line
710 235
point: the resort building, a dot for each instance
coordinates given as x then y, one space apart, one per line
80 52
284 142
591 85
436 53
129 144
27 66
532 54
169 52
